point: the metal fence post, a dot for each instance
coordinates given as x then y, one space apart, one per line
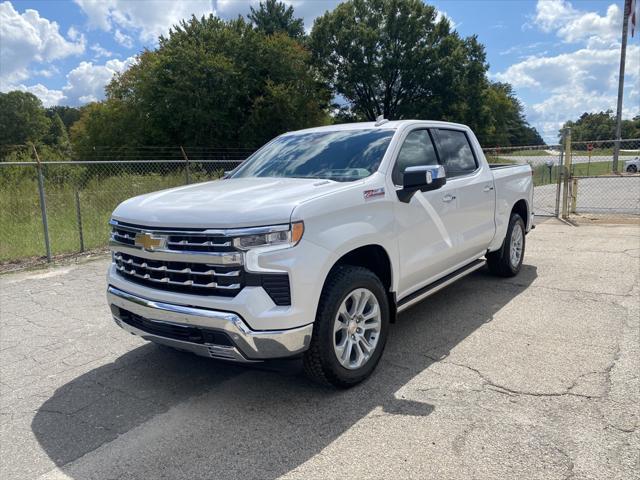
559 172
574 194
79 220
186 168
43 204
566 174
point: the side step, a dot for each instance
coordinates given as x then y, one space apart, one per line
439 284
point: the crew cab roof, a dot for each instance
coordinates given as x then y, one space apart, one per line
389 125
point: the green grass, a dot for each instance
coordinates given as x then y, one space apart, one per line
527 153
21 229
541 172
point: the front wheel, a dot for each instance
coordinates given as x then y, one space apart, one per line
632 169
350 330
507 261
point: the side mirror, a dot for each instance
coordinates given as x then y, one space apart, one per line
423 178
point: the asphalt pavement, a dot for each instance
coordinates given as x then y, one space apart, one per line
531 377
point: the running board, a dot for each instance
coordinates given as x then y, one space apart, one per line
439 284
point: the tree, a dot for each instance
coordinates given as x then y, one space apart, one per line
57 135
392 58
507 125
273 16
68 115
601 126
111 123
22 118
211 82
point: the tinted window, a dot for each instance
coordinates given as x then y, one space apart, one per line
417 149
341 155
455 152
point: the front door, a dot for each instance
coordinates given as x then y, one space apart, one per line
426 241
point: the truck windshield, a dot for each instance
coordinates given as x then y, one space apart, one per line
340 155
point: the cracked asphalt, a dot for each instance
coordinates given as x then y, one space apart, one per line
531 377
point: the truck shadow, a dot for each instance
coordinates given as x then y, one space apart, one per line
229 421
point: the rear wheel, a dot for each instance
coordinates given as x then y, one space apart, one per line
507 261
350 330
632 169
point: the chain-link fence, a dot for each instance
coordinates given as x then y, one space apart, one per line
49 208
594 186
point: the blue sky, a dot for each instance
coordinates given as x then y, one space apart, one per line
560 56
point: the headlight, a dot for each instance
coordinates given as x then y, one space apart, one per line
286 237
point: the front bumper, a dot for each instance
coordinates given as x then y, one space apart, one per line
155 320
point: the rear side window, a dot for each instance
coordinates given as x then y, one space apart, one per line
417 149
455 152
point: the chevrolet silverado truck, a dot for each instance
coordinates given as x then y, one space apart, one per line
314 244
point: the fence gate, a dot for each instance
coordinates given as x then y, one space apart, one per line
578 178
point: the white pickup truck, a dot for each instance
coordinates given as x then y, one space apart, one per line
313 245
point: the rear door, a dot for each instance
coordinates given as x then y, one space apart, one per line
472 222
425 238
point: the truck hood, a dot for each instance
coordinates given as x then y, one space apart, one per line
242 202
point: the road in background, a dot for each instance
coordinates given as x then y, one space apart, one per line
536 160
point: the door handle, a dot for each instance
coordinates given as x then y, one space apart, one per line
448 198
487 188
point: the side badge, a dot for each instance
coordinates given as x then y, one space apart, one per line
376 192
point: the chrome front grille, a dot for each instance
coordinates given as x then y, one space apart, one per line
197 278
175 240
197 244
198 262
125 237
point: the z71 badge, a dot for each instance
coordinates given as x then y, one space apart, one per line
376 192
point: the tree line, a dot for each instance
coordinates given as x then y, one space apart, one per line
600 126
240 82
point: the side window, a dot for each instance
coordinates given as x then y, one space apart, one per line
455 152
417 149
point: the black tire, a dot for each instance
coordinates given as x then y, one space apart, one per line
320 361
632 169
499 262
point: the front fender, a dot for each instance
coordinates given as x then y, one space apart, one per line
344 221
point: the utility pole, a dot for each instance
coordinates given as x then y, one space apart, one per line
623 54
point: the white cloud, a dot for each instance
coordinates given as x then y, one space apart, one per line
147 19
123 39
28 38
46 72
442 14
73 33
86 82
49 97
573 25
583 80
100 51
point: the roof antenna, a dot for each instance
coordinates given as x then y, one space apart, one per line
380 120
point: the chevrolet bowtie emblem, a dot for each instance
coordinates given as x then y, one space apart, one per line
148 241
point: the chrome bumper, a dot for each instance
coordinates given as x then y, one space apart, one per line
249 345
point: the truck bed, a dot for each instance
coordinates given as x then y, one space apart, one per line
495 166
